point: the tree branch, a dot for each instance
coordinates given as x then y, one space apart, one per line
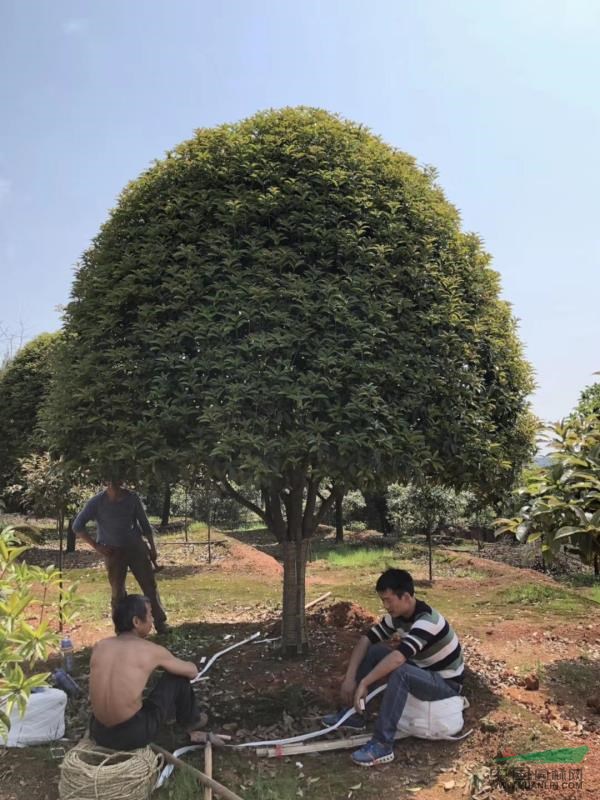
242 500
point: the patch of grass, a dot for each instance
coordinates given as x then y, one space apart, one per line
349 557
532 594
544 600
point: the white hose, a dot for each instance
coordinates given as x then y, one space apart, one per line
314 734
212 659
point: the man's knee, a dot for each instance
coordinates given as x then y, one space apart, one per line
401 674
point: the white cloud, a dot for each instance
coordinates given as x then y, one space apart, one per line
74 27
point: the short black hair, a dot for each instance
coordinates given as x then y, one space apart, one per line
398 580
133 605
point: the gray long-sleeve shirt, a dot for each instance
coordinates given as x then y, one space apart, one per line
118 521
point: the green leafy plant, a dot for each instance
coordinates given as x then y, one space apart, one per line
26 593
561 502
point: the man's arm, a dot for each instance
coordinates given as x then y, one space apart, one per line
348 686
145 527
86 515
380 671
174 665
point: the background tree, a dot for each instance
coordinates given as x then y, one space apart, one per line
560 503
24 385
285 300
589 401
46 488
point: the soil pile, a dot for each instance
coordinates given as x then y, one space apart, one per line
343 615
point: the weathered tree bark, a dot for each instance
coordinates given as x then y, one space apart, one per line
166 506
339 517
294 634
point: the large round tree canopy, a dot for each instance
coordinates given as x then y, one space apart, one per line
290 295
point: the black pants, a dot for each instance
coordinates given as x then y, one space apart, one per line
134 557
172 696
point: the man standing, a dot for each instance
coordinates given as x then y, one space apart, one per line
426 663
119 670
121 521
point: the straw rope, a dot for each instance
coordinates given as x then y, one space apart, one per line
91 772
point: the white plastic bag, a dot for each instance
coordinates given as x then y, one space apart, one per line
435 719
43 721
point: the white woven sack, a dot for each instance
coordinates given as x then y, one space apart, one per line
435 719
43 720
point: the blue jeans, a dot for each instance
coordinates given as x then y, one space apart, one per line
421 683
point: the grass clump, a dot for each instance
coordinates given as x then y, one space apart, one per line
353 557
532 594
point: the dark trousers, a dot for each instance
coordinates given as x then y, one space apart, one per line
135 557
407 679
172 696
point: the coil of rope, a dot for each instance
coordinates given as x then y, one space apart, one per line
90 772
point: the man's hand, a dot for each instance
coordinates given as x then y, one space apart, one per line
152 551
104 550
347 690
362 690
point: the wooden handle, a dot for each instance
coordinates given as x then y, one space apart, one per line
208 754
218 788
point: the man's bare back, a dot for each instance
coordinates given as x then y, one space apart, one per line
119 670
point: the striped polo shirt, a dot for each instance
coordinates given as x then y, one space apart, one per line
427 640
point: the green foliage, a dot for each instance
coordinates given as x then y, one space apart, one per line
419 508
589 401
561 503
24 384
290 295
352 505
26 594
47 488
283 301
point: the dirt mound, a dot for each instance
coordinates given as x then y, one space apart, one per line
244 558
344 615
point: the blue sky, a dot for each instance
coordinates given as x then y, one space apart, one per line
502 97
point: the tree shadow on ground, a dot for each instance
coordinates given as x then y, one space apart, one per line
254 694
575 682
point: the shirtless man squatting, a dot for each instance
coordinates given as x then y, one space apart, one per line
119 671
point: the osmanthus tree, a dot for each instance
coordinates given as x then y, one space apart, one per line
290 303
24 384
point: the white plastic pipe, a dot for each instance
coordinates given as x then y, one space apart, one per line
165 774
213 658
304 737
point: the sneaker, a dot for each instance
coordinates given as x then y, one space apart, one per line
356 722
372 753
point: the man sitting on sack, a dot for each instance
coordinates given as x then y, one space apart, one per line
427 663
119 671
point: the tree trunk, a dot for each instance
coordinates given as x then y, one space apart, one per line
70 536
430 553
294 635
596 565
60 524
376 512
339 519
166 506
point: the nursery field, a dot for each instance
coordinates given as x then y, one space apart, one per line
532 648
